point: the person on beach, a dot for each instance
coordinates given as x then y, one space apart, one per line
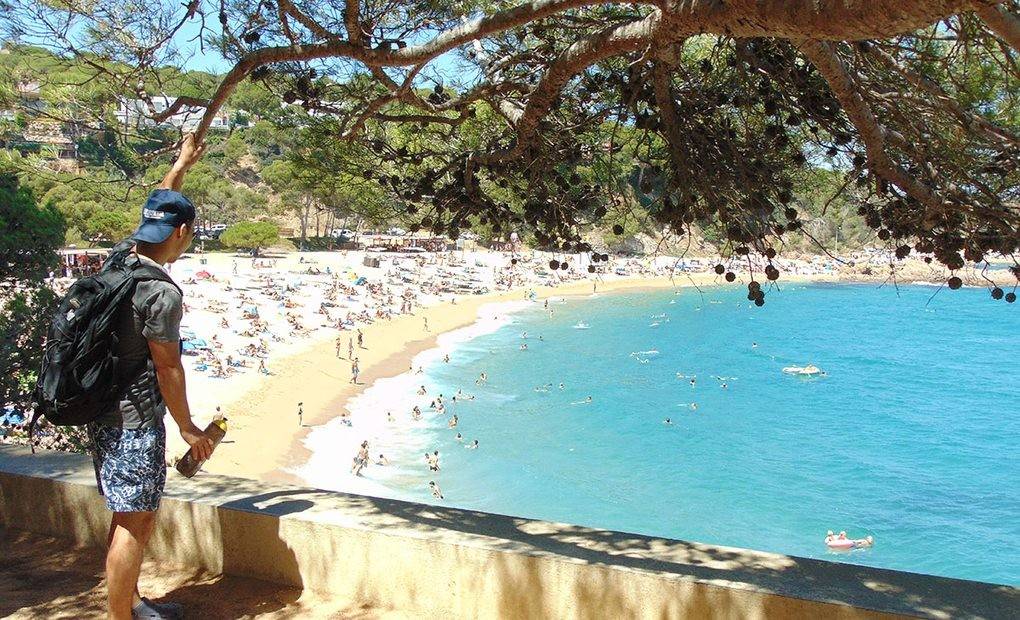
339 343
350 348
436 492
361 340
426 323
416 413
128 443
422 391
262 367
446 358
473 445
355 370
300 414
389 417
361 460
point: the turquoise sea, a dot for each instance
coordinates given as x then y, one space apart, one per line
911 437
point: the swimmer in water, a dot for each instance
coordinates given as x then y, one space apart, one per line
453 421
436 491
692 382
473 445
432 460
561 385
754 345
668 422
421 391
524 347
723 386
482 378
382 460
459 437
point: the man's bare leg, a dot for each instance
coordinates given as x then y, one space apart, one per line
129 533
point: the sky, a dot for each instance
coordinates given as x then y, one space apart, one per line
211 61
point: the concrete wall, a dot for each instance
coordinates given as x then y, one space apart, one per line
445 562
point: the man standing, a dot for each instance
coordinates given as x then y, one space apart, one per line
129 442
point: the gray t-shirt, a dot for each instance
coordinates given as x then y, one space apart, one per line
154 313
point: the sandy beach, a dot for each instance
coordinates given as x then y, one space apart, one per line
265 440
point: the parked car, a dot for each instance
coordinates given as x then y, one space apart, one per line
343 235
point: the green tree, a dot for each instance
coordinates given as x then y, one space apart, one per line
108 226
251 235
29 236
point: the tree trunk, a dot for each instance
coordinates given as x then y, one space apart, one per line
303 217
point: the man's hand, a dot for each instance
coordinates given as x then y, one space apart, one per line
191 152
201 444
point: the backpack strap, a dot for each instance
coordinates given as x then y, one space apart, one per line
142 272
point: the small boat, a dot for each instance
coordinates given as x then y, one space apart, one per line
808 370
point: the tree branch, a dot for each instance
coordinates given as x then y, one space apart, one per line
939 95
871 132
1002 22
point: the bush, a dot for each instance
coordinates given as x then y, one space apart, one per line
251 235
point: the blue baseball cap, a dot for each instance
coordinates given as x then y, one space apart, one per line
164 211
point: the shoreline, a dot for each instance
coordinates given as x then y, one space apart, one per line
265 441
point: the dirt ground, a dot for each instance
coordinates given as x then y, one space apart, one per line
43 577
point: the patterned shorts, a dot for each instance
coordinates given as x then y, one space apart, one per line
130 466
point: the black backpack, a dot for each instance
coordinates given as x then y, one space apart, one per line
80 378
